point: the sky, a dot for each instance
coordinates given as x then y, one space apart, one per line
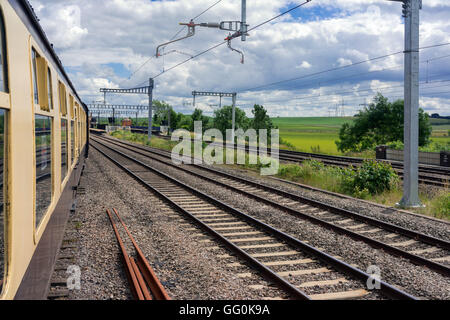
112 44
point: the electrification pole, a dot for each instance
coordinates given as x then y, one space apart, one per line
150 106
411 109
168 121
233 124
244 20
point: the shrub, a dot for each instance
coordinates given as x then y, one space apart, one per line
374 176
370 179
396 145
434 146
441 206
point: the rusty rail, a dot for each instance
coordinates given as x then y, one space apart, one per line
140 274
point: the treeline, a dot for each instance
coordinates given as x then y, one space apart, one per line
221 120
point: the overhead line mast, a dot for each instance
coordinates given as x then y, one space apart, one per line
411 13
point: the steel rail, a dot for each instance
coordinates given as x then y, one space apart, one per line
391 227
297 156
129 270
139 272
399 164
386 288
385 225
242 254
152 280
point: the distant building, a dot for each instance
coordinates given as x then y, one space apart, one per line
126 123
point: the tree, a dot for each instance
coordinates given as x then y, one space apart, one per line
261 119
223 119
379 123
161 116
183 122
197 115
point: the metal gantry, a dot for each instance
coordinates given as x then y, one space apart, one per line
116 109
148 90
232 95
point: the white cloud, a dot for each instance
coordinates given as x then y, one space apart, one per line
304 65
93 38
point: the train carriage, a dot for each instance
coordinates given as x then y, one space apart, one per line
43 144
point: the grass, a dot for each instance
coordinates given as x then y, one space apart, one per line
318 134
143 139
311 134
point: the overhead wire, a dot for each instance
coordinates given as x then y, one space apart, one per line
225 41
350 95
365 73
339 68
174 36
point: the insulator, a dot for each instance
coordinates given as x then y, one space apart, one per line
210 25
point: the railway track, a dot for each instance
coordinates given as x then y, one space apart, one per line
438 177
301 270
428 175
144 283
419 248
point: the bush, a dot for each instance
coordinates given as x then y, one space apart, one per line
396 145
374 176
436 147
441 206
371 178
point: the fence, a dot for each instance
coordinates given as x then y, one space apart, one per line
432 158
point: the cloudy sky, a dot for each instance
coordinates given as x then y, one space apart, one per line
108 43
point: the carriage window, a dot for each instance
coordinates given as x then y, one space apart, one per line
49 88
34 56
2 196
44 189
62 100
3 61
64 160
72 141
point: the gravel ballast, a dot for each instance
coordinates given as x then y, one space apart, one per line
416 280
185 263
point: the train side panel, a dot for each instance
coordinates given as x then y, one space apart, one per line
30 242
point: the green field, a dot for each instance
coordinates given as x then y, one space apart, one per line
309 134
320 133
